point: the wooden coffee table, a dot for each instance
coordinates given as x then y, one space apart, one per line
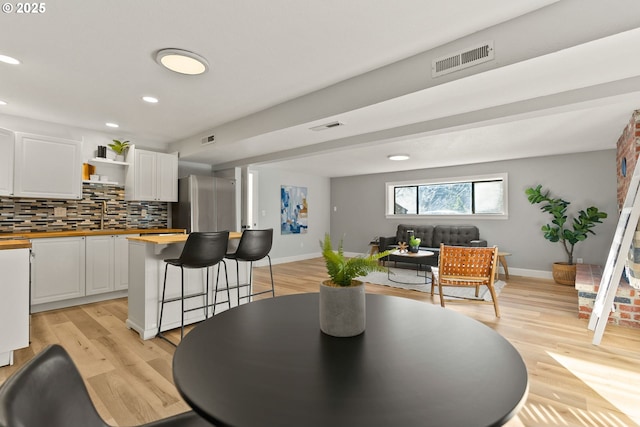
503 261
415 256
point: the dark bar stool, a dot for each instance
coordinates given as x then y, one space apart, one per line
201 250
254 245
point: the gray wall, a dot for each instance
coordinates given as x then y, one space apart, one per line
586 179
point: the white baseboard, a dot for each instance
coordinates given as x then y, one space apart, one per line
274 261
77 301
540 274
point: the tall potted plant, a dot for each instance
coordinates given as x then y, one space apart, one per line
559 230
342 298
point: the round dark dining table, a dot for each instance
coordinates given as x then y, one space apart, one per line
267 363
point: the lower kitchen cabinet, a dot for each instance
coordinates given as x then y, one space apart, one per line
100 254
107 264
69 271
57 269
121 262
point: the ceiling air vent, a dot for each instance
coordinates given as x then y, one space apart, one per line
208 140
462 59
327 126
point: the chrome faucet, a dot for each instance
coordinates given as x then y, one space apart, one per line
103 211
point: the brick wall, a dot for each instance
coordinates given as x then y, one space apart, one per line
626 302
627 299
628 148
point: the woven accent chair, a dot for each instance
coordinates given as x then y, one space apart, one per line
467 267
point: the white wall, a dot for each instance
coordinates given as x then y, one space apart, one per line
293 247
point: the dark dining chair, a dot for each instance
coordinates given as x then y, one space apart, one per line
49 391
201 250
254 245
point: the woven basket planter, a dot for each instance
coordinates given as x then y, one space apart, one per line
564 273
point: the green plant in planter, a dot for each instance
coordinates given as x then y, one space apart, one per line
119 147
414 241
343 270
558 230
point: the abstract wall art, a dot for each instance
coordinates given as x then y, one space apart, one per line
293 209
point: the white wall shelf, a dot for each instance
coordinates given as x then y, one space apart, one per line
107 161
86 181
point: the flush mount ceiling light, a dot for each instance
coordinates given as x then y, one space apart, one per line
150 99
112 125
9 60
398 157
2 102
182 61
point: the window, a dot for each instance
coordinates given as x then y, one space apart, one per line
468 196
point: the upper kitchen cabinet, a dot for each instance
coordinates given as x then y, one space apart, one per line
47 167
151 176
6 162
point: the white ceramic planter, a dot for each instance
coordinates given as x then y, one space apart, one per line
342 310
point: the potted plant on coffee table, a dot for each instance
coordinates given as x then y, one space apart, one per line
342 298
414 244
559 231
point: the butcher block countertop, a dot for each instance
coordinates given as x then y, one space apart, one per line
173 238
15 244
80 233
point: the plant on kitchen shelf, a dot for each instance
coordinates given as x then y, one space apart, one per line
343 270
119 147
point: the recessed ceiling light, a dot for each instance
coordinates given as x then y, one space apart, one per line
112 125
182 61
9 60
398 157
150 99
2 102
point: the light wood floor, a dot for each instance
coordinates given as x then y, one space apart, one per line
572 382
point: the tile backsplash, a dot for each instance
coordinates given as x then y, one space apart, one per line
27 215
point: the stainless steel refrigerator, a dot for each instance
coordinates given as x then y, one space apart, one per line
205 203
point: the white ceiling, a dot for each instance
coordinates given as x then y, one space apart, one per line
276 69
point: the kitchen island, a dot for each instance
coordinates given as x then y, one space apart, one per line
146 276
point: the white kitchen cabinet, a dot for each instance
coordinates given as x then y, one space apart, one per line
7 144
107 264
47 167
121 261
99 262
57 269
151 176
167 177
14 303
